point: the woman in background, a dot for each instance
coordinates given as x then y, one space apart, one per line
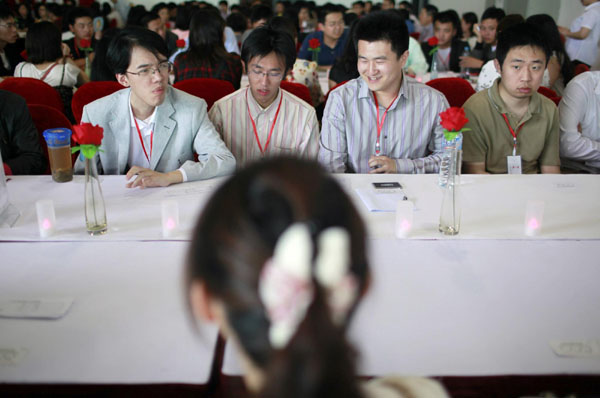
468 23
278 261
206 56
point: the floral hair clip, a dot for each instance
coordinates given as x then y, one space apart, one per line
286 284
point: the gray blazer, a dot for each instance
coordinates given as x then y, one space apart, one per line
181 129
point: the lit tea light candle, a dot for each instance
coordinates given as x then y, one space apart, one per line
404 218
46 217
534 215
170 218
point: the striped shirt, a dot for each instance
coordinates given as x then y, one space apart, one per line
411 134
296 130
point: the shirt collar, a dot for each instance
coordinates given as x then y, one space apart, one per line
596 4
255 107
364 92
142 123
535 104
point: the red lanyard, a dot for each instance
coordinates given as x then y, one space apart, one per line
272 125
380 125
512 132
142 141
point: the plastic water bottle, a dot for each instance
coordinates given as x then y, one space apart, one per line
464 72
434 67
445 163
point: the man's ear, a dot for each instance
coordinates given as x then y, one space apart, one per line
71 28
321 26
497 65
202 303
122 78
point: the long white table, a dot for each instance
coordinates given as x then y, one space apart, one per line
485 302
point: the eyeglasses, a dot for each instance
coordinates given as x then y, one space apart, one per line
9 25
260 74
163 67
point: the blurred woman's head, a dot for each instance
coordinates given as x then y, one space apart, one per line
467 22
206 36
275 224
43 43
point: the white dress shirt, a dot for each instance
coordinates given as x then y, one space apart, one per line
580 109
585 50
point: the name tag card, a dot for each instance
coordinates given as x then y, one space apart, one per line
513 164
34 308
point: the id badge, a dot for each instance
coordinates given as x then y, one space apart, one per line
513 164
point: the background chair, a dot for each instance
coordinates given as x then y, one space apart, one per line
550 94
210 90
7 170
298 89
34 91
456 90
580 68
45 117
90 92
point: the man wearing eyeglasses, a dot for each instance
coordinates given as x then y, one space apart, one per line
263 120
331 35
9 51
151 130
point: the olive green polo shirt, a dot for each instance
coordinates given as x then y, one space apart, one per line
490 140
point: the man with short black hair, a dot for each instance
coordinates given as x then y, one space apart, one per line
152 21
80 24
487 38
9 51
388 5
426 16
259 16
450 47
151 130
331 35
513 128
382 122
263 120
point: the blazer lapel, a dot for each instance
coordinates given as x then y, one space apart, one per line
163 129
120 129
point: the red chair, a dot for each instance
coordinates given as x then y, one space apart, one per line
456 90
580 68
298 89
90 92
210 90
7 169
44 118
415 35
548 92
34 91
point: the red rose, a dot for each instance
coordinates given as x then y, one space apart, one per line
85 43
314 43
453 119
87 134
433 41
180 43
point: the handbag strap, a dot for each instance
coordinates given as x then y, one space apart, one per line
48 71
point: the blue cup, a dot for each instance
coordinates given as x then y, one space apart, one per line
59 152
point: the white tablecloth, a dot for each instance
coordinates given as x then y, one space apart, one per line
493 207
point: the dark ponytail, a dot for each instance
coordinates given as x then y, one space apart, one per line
236 235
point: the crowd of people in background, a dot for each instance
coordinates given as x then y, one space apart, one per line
66 46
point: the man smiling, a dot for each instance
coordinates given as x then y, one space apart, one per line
151 130
264 120
382 122
514 129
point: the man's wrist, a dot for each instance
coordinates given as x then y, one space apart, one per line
174 177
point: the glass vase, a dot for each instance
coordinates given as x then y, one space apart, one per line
450 212
95 212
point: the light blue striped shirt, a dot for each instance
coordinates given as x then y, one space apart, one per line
411 134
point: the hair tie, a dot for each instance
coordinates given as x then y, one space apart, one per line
286 288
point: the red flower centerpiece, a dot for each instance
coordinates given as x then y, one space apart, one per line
453 121
433 43
314 46
89 138
86 46
180 43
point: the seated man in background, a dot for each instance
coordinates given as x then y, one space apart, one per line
487 38
9 50
579 113
426 16
152 130
264 120
382 122
152 21
80 23
332 37
450 47
513 128
19 139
